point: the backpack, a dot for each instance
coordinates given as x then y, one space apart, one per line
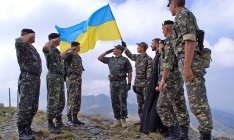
205 52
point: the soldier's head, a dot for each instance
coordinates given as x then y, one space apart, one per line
175 5
167 27
142 47
76 45
26 31
155 44
54 36
118 50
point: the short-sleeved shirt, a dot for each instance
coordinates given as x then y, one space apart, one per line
73 63
143 65
28 58
185 28
169 60
118 66
53 60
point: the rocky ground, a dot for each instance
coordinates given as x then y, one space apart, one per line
96 128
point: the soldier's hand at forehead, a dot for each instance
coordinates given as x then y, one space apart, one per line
55 39
25 38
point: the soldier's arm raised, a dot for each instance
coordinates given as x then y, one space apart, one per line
25 38
49 44
130 55
101 57
62 55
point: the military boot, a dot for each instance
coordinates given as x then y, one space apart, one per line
59 122
205 135
116 124
174 132
52 128
23 134
76 121
184 132
69 121
123 123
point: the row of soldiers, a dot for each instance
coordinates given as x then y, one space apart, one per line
29 82
178 61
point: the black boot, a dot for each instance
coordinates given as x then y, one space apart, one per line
184 132
23 133
59 122
76 121
174 132
205 135
69 121
52 128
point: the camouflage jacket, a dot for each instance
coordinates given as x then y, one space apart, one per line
118 66
28 58
143 66
53 61
184 29
73 64
169 59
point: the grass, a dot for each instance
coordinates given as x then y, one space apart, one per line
101 126
1 137
66 135
4 110
40 117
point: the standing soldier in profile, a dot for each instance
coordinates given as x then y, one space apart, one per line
120 68
74 68
172 91
191 65
55 83
29 82
143 64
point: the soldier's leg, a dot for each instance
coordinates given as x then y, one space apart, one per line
140 101
77 96
115 100
70 97
198 102
27 89
123 95
62 95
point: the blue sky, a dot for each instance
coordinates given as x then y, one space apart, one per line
138 20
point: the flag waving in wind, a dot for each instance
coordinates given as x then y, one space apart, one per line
100 26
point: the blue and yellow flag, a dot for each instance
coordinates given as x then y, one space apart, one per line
100 26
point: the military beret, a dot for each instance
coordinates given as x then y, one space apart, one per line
143 44
119 47
27 31
167 22
75 43
53 35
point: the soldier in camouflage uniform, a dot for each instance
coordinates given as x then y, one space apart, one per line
29 82
120 68
55 83
191 64
74 68
143 64
172 91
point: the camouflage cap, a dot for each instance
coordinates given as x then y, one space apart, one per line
143 44
119 47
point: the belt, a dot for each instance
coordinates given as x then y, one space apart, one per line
31 73
56 72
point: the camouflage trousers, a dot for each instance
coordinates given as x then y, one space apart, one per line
73 83
55 95
197 97
29 91
118 92
172 96
140 99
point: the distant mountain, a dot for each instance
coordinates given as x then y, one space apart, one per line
101 104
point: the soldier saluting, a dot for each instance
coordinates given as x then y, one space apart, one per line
29 82
120 68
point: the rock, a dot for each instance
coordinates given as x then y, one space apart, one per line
1 104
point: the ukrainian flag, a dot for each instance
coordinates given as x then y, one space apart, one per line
100 26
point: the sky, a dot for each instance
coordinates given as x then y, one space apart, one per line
138 20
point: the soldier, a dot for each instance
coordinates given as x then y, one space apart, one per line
55 83
74 68
172 91
143 71
120 68
29 82
191 64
